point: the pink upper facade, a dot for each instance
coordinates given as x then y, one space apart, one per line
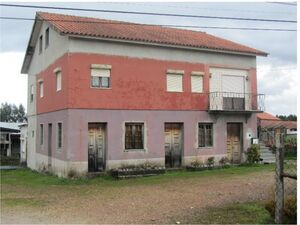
134 84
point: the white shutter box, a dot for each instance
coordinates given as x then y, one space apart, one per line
174 82
100 72
197 83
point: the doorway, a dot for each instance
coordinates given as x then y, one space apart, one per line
96 147
173 145
234 142
49 145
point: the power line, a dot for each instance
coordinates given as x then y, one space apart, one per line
284 3
148 13
164 25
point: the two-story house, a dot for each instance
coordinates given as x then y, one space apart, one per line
103 94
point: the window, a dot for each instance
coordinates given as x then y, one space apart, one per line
41 44
41 89
134 133
58 80
174 80
205 135
197 82
47 37
31 93
59 135
100 76
32 133
41 134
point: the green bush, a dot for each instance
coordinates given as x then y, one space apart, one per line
253 153
289 210
211 161
197 163
224 161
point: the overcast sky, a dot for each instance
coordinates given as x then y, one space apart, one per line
276 73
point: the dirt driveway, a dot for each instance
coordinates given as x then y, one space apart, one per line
157 202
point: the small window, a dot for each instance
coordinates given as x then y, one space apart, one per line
100 76
41 44
59 135
41 83
134 136
41 134
174 81
197 83
205 135
32 133
31 92
47 37
58 80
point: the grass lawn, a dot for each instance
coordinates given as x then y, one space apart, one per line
37 197
32 178
239 213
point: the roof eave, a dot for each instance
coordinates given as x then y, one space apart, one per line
167 45
31 45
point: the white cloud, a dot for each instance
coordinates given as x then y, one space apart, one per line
13 84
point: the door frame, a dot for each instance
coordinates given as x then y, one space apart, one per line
104 125
241 135
181 125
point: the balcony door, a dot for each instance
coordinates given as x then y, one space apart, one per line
233 88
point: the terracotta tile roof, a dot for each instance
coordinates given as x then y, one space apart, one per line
278 124
266 116
75 25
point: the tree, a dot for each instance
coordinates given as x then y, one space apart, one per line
12 113
290 117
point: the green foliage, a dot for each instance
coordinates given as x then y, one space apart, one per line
211 161
253 153
12 113
197 163
224 161
290 117
289 210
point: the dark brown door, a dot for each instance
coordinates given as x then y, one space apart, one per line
173 145
234 142
96 147
49 144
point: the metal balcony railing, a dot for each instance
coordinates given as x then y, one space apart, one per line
242 102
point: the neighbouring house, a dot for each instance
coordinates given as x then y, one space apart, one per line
269 125
10 139
103 94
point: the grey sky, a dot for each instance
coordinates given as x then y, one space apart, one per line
276 73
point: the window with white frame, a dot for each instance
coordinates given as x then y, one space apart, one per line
174 80
197 81
41 84
100 76
31 93
40 44
41 134
59 135
134 136
47 37
58 80
205 135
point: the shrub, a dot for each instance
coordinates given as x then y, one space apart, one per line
197 163
289 210
253 153
211 161
223 161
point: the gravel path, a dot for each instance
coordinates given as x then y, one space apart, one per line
143 203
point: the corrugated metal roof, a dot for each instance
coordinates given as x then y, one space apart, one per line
12 126
266 116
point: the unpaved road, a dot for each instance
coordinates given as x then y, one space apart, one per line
143 203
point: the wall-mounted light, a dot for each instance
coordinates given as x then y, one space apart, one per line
247 77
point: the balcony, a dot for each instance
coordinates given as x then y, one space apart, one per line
236 102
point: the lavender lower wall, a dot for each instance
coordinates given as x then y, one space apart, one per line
75 132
